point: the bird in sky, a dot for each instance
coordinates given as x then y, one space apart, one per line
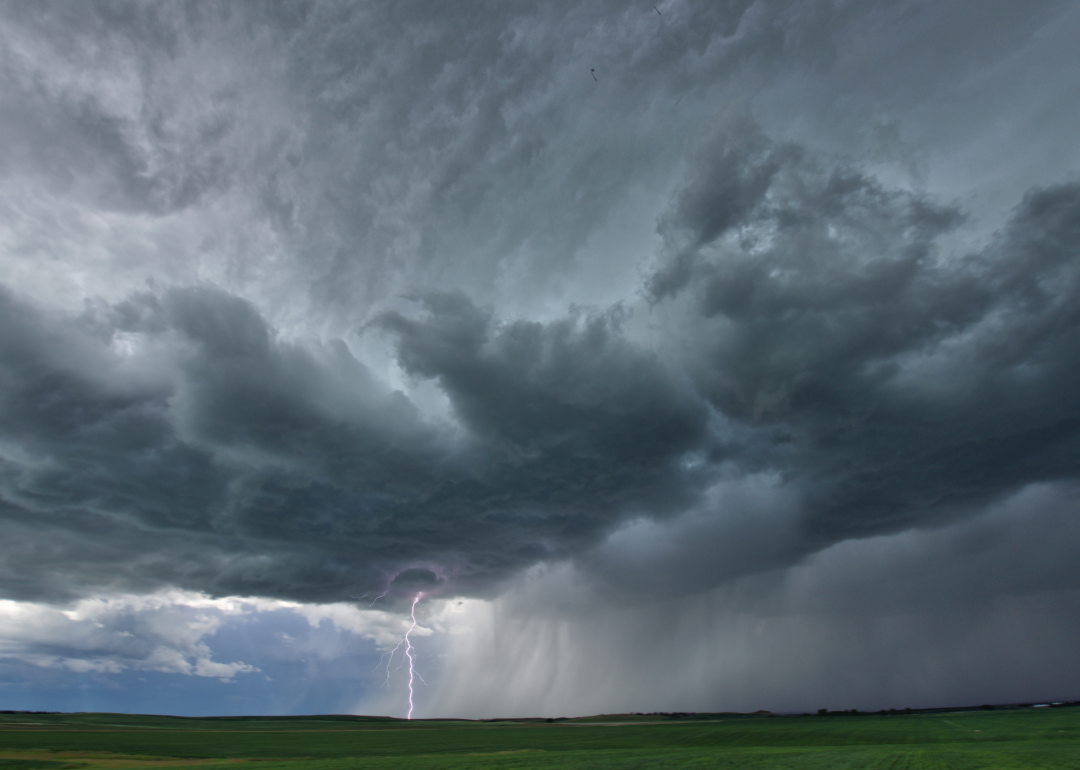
593 71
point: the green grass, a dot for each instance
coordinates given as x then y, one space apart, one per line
1026 739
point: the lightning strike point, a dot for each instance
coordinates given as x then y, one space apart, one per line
413 673
408 651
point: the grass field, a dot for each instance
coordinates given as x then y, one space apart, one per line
1027 739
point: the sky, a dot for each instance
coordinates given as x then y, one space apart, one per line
702 356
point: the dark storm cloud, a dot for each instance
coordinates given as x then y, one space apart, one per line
889 387
574 385
214 456
902 387
916 383
322 256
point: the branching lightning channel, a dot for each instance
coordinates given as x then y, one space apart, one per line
368 596
409 650
413 674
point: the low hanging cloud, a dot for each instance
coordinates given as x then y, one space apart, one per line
233 433
983 611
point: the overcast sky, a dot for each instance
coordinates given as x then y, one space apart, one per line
705 356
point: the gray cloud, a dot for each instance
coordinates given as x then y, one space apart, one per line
240 463
981 611
824 306
852 360
300 297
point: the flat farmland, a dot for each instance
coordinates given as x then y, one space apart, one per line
1012 738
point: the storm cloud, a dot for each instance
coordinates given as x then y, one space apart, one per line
309 300
271 468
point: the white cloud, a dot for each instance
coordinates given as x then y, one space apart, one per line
168 631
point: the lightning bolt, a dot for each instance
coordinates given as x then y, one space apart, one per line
368 596
408 651
408 657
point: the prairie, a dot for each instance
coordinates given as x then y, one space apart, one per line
955 740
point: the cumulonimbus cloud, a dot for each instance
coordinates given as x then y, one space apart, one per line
314 329
175 438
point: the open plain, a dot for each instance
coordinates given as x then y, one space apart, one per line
1027 739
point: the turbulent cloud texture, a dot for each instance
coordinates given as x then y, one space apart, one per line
563 307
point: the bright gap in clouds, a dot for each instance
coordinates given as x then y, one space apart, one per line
182 653
740 375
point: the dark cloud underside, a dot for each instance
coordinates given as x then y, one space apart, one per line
890 387
338 291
